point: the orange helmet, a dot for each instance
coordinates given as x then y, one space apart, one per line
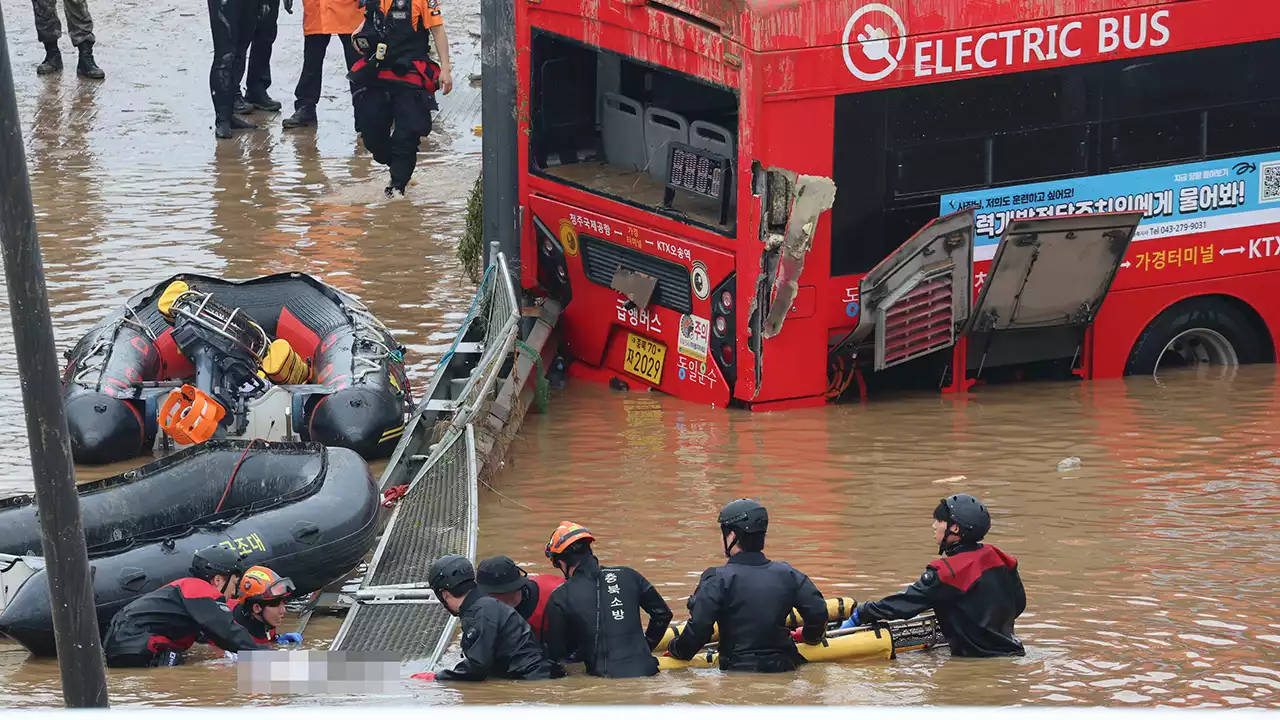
262 584
567 534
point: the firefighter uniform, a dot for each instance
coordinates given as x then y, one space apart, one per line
595 615
232 23
395 81
158 627
534 597
498 643
254 53
321 20
749 598
976 593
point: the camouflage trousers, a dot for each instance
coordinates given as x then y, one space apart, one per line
79 22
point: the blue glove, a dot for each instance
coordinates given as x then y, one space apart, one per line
286 638
852 622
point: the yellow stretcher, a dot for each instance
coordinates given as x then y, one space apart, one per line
880 641
838 610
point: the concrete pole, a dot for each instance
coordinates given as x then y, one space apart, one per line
75 620
498 116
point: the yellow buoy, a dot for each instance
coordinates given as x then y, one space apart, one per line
837 609
283 366
171 293
856 644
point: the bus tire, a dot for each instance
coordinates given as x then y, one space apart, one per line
1202 330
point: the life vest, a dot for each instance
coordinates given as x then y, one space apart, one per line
545 583
394 45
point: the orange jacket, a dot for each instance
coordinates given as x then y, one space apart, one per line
331 17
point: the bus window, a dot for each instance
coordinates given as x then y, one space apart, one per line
902 148
604 122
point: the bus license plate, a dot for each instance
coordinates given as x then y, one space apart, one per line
644 358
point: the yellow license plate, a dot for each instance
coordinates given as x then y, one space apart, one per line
644 358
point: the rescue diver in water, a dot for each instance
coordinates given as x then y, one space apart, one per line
260 605
595 614
496 642
974 589
500 578
749 598
158 627
395 80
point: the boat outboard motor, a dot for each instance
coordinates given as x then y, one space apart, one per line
227 349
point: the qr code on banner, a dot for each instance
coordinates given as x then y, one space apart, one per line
1270 189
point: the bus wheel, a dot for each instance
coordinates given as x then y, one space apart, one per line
1195 333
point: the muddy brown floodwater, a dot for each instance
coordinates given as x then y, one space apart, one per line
1153 570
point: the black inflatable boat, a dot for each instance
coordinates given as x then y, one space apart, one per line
306 511
354 393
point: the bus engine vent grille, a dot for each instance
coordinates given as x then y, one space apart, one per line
601 259
920 322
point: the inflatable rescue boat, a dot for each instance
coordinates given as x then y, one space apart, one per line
280 357
307 511
880 641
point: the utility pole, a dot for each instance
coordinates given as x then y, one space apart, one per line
75 619
498 118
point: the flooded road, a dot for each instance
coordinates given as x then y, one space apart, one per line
130 186
1152 570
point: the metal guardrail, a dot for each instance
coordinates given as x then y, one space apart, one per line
395 609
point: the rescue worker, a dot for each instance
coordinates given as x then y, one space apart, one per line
496 642
254 53
79 27
974 589
395 80
232 23
749 598
321 20
595 614
158 627
500 578
260 605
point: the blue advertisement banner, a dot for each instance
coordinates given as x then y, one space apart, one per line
1175 200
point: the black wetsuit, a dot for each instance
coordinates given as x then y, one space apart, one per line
749 598
157 627
498 643
595 615
233 23
976 593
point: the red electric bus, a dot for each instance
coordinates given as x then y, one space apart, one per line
770 203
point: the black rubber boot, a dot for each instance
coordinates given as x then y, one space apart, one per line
222 129
392 189
52 60
303 117
87 68
264 102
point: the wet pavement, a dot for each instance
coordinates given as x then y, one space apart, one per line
1152 570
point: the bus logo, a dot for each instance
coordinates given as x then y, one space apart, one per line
875 47
569 238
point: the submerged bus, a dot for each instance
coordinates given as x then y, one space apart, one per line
771 203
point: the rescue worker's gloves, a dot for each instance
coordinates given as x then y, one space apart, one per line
286 638
428 676
798 635
233 657
852 622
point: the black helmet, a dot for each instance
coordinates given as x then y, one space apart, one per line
744 516
216 560
967 512
500 574
449 572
